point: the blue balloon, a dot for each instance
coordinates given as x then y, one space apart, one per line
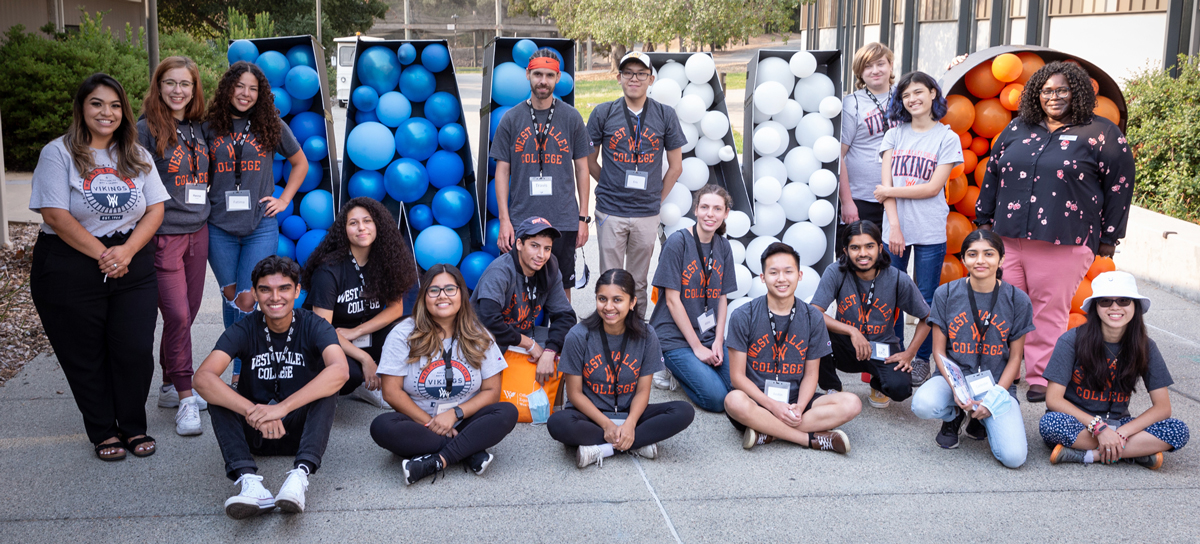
522 51
393 109
317 209
283 102
302 55
312 178
242 50
378 68
509 84
491 237
418 84
302 82
300 298
315 148
364 98
453 206
287 172
275 66
279 157
300 105
370 146
287 211
406 54
416 138
305 246
473 265
438 244
445 168
286 248
565 85
368 183
406 180
307 124
491 199
491 168
293 227
561 63
361 117
435 57
495 117
277 170
420 217
452 137
442 109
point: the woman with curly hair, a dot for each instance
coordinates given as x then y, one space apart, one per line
356 279
1057 190
245 136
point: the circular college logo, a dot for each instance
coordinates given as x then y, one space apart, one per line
108 193
432 380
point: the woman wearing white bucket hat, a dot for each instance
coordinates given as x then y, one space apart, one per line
1092 375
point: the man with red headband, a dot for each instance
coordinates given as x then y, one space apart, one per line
541 148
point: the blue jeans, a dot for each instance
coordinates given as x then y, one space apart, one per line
927 273
1006 431
233 258
705 384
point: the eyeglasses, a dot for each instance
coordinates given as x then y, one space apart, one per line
449 290
185 85
1106 302
640 76
1061 92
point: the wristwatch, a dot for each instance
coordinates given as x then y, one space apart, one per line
586 219
458 413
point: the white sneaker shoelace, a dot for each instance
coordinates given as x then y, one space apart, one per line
825 442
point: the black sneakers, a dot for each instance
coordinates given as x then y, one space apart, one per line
479 462
976 430
420 467
948 436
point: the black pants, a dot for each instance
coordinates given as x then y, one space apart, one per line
659 422
306 435
102 331
896 384
375 351
870 211
402 436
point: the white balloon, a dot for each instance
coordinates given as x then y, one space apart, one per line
691 109
757 288
692 134
808 240
790 116
735 304
770 97
811 90
703 90
683 223
811 127
754 251
743 281
781 138
673 71
709 150
669 214
803 64
796 199
830 107
700 68
821 213
766 140
738 251
774 69
727 153
810 280
759 116
681 197
667 91
695 173
769 167
715 125
801 163
737 224
827 148
767 189
768 219
823 182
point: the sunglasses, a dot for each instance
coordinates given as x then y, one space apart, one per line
1106 302
449 290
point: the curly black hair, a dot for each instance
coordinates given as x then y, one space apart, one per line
1083 98
264 118
393 271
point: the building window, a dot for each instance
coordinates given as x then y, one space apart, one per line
826 16
983 9
938 10
1017 9
1091 7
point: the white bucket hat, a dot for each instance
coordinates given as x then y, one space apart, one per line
1115 285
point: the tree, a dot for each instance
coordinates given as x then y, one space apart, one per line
210 18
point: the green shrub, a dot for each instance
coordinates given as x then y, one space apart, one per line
1164 128
210 57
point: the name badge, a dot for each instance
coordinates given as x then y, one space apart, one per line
980 383
237 201
706 321
1068 137
635 180
617 422
444 407
363 341
540 186
880 351
777 390
196 194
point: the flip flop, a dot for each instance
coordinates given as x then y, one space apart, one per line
132 445
114 456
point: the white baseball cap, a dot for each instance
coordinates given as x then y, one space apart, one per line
638 56
1115 285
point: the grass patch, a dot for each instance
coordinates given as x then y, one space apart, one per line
458 70
737 141
589 94
735 80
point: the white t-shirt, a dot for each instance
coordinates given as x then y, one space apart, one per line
425 381
915 156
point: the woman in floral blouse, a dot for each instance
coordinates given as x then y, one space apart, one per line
1058 190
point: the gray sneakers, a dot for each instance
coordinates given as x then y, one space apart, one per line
1063 454
921 371
168 397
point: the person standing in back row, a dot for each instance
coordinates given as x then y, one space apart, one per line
864 121
541 149
632 132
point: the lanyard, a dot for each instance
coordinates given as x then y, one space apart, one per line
986 323
238 142
361 279
446 364
776 336
705 266
540 136
637 131
530 292
1112 378
276 362
871 95
612 365
193 158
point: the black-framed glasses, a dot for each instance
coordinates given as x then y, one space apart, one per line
1106 302
449 290
640 76
1061 92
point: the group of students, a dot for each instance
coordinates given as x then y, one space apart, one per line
199 184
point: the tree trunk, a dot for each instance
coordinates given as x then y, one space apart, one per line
618 51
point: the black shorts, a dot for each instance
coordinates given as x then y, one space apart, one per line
742 428
564 252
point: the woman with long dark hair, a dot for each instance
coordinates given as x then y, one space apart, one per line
356 279
441 372
245 135
93 279
608 391
1093 374
174 131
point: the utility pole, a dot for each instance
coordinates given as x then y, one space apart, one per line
152 34
318 20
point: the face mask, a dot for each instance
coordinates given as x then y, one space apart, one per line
539 406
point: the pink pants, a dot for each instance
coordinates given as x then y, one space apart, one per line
1049 274
180 261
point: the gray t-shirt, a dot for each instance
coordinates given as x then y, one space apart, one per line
679 268
503 284
516 144
583 355
102 201
863 126
425 380
891 292
750 333
610 132
1011 319
1111 403
256 175
183 165
915 155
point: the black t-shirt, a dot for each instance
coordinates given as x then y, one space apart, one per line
268 372
339 287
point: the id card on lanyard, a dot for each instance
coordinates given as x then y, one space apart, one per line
194 192
982 325
635 179
777 389
541 184
614 368
238 200
708 319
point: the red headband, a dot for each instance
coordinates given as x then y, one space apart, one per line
543 62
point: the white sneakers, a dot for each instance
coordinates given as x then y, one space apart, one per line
252 501
374 398
291 495
647 452
168 397
588 455
665 381
187 419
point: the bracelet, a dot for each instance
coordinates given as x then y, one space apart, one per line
1099 429
1120 435
1092 424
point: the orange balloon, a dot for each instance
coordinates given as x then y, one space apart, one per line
1030 63
1076 320
990 118
981 171
952 269
957 229
955 189
1095 86
980 146
963 267
981 82
1084 291
964 140
1007 67
1100 266
1010 97
960 113
654 296
956 171
966 206
969 161
1107 109
994 138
